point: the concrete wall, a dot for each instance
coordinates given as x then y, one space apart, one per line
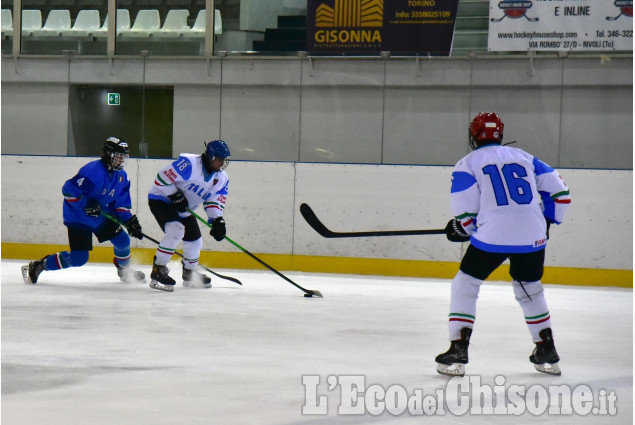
571 112
262 211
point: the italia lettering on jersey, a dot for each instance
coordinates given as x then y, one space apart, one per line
503 197
188 175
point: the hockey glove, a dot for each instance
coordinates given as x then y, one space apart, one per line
179 201
548 226
218 229
134 227
92 209
455 232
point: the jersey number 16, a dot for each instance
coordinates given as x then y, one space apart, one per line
512 176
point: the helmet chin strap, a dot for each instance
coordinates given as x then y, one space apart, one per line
207 163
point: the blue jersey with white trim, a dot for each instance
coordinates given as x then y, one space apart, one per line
503 197
188 175
94 183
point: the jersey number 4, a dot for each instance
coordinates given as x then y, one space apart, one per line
511 175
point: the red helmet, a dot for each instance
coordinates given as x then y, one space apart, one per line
486 127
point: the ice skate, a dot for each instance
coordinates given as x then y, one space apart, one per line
160 278
453 361
128 275
544 357
194 279
31 271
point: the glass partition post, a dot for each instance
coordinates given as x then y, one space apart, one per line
209 28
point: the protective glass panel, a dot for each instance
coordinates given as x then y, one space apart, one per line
140 116
57 27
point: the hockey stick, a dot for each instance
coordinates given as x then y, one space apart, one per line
317 225
307 292
233 279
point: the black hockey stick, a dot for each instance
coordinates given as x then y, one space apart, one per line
317 225
307 292
233 279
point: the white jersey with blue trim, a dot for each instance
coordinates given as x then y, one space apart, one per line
503 197
188 175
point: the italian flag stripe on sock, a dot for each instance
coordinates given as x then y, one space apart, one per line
166 250
461 317
533 320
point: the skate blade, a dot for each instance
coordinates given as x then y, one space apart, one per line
189 284
454 369
161 287
551 369
25 275
126 279
132 276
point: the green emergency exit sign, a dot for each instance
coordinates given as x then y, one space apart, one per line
113 98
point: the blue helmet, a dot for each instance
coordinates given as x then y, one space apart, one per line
218 149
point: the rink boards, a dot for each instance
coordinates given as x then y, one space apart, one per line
592 247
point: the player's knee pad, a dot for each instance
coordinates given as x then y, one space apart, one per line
192 249
78 258
121 242
464 285
174 231
527 291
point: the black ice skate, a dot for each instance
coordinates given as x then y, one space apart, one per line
194 279
544 357
32 271
160 278
128 275
453 361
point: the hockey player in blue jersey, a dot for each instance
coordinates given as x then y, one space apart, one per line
185 184
503 200
99 186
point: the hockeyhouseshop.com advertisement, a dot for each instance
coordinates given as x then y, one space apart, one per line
562 25
467 395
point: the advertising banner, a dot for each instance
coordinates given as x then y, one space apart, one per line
563 25
367 27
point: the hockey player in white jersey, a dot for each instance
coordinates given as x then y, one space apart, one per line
503 200
188 182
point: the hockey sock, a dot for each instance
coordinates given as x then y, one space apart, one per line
534 306
465 289
65 259
174 232
191 252
121 247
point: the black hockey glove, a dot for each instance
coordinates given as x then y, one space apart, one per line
134 227
179 201
548 226
218 229
455 232
92 209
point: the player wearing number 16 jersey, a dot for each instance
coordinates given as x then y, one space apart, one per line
503 200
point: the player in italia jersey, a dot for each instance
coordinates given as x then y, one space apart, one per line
503 200
189 181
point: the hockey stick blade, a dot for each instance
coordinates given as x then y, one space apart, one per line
308 293
317 225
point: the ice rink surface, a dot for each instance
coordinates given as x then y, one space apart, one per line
82 348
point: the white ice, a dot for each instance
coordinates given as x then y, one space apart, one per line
82 348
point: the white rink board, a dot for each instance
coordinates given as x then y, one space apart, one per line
262 210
